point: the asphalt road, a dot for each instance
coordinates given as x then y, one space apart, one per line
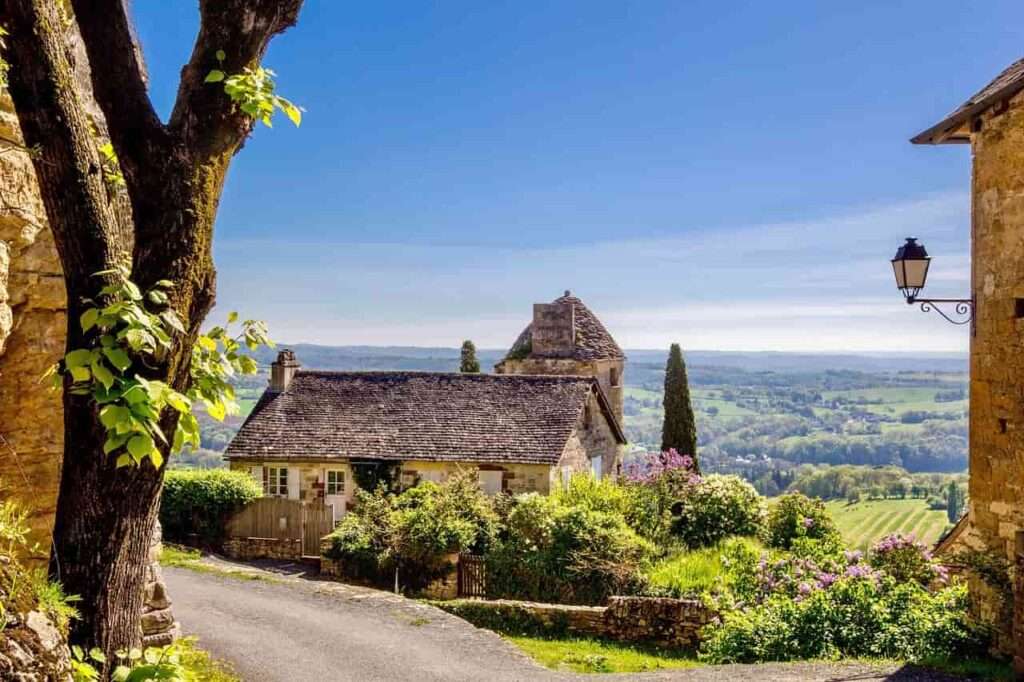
289 629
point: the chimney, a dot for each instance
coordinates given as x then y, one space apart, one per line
282 371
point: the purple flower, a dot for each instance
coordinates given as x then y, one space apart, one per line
857 571
854 556
808 522
826 579
804 589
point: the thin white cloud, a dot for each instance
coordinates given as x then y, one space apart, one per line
822 284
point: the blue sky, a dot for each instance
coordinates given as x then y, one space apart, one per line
729 175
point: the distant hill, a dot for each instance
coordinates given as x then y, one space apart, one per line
447 359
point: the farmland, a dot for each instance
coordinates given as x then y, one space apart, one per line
863 523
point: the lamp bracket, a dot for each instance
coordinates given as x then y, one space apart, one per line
962 313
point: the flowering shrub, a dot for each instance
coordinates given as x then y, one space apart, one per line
854 616
906 559
715 507
796 516
671 468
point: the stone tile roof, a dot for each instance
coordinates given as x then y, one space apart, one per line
418 415
1003 86
593 342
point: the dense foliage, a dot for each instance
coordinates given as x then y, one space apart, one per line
679 428
414 532
570 549
793 517
196 503
717 507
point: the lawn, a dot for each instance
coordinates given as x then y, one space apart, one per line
694 572
865 522
599 656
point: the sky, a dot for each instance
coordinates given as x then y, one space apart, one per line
726 175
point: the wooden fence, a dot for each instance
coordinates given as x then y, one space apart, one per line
282 519
472 576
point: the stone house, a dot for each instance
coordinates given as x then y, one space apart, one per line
518 433
992 123
566 338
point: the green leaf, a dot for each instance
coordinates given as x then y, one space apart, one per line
89 318
164 284
172 320
122 461
78 358
293 112
112 415
113 443
216 410
214 76
103 375
141 445
206 343
232 317
118 358
156 458
80 374
158 297
220 55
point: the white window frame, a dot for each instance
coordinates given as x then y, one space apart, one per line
566 476
337 486
597 467
276 483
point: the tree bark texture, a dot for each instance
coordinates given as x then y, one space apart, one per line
174 175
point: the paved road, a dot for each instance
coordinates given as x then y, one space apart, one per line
296 630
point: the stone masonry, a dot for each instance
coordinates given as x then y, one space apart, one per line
992 122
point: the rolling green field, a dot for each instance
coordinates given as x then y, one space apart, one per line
865 522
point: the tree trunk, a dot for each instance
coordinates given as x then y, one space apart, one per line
161 222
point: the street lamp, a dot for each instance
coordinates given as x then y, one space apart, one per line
910 266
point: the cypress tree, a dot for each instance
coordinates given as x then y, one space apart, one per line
469 364
953 510
679 430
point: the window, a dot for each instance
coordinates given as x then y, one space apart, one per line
335 482
613 376
595 467
409 479
566 477
276 482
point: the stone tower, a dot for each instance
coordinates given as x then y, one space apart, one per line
566 338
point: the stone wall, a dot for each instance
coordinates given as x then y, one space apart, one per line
674 623
997 364
263 548
32 324
592 437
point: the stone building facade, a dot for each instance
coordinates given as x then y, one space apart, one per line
992 123
565 338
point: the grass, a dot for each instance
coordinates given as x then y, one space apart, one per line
191 559
202 665
864 523
691 573
599 656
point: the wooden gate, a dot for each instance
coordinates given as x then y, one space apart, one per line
283 519
472 576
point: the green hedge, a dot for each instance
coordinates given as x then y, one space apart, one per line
196 503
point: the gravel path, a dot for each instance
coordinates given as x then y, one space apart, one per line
285 628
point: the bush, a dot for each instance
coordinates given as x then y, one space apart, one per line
699 572
554 552
905 559
199 502
856 616
796 516
715 508
414 531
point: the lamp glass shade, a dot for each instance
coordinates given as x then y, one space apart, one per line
910 267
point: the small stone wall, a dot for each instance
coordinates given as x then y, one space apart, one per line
33 650
672 623
263 548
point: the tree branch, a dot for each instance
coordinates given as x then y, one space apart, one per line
119 86
204 117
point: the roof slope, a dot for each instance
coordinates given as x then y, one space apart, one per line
593 342
1005 85
417 415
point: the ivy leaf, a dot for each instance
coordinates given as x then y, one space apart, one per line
215 76
172 320
158 297
80 374
293 112
89 318
122 461
113 443
118 358
206 343
141 445
102 374
221 55
78 358
156 458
